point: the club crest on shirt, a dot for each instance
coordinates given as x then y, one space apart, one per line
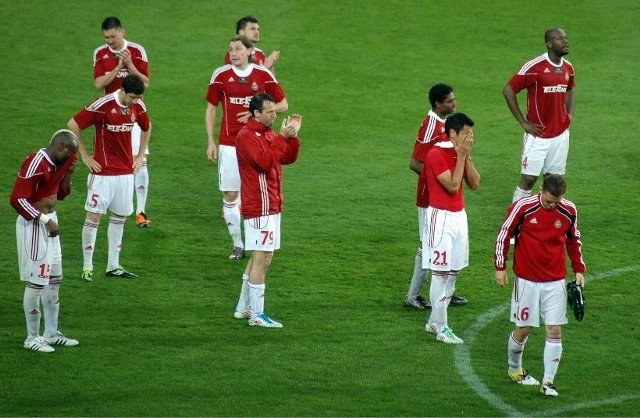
557 224
254 86
133 117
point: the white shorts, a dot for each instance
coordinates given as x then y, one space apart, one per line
532 300
135 140
423 223
446 240
39 256
544 155
113 193
228 172
262 233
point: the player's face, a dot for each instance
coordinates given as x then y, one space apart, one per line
239 54
251 31
130 98
548 200
114 38
448 106
559 43
268 114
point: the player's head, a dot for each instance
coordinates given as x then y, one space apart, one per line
263 108
62 146
113 32
456 123
249 27
133 84
553 188
442 99
557 42
240 50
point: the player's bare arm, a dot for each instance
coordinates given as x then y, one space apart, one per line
416 166
512 103
87 159
209 124
138 159
570 103
282 106
65 183
46 206
580 279
272 59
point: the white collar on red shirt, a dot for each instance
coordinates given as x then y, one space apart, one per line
444 144
126 44
546 56
243 73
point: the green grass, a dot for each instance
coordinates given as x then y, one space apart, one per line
358 71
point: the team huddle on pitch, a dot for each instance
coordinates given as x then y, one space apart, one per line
539 230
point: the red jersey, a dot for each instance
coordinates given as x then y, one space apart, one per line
235 88
105 60
257 57
261 154
547 85
37 179
441 158
430 132
541 236
113 124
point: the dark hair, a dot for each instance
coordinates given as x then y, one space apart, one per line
554 184
245 41
257 102
133 84
457 122
438 93
550 34
242 23
111 22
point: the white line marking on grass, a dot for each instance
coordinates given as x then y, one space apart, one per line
462 358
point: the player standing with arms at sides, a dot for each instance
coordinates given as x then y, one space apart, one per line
443 103
448 164
233 86
549 81
111 168
261 155
249 27
44 178
544 226
112 62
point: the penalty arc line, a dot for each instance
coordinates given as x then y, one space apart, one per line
465 369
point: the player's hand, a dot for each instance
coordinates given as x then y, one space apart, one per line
291 125
125 56
532 128
138 160
243 117
53 230
580 279
272 59
91 164
212 152
501 278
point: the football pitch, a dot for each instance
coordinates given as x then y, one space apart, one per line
358 71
